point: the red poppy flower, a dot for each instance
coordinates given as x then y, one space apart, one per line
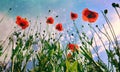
73 47
74 16
59 27
88 15
69 55
23 23
50 20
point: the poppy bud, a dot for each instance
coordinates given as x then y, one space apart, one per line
113 4
117 5
96 25
105 11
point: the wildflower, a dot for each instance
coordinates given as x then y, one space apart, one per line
73 47
50 20
69 55
22 22
74 16
59 27
88 15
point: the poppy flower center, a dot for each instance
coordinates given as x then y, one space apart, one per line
91 15
22 24
58 27
49 21
73 15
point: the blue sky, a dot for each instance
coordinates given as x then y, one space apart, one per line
36 7
33 8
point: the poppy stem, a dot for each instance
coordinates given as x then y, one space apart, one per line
85 40
58 38
3 42
12 70
107 36
48 30
7 37
77 30
111 29
117 47
5 15
100 40
96 51
98 36
117 12
2 19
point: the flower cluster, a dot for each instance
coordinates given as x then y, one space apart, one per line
50 20
87 15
